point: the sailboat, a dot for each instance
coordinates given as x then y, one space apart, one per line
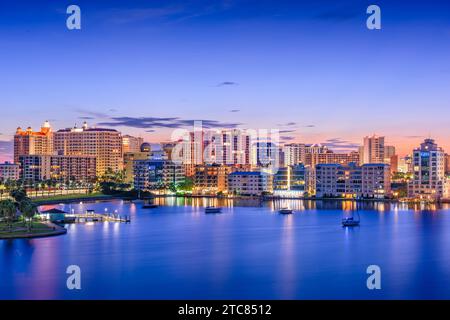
351 221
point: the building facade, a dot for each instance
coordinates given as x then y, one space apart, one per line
36 168
28 142
103 144
211 178
249 183
292 181
157 174
428 165
9 171
352 181
131 144
373 149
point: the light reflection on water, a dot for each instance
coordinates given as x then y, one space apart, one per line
249 251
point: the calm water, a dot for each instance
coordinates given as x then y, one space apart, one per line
247 252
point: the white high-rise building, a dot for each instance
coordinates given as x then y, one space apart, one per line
373 149
294 153
428 164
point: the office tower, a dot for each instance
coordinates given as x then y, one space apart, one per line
373 151
429 181
33 142
131 144
104 144
291 181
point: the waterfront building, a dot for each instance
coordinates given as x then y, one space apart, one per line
249 183
35 168
265 155
391 158
376 180
131 144
9 171
28 142
353 181
104 144
157 174
373 149
128 162
329 157
292 181
429 180
211 178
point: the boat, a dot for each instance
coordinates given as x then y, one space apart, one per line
285 211
351 221
213 210
149 204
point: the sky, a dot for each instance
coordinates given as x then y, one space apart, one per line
311 69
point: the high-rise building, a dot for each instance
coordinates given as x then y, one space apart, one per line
28 142
373 149
131 144
35 168
128 162
294 153
104 144
429 181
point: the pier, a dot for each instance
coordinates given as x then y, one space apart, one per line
97 217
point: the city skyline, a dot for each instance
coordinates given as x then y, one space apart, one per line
147 69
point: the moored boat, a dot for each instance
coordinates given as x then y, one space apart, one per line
285 211
213 210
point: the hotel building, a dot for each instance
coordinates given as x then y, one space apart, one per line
35 168
103 144
9 171
429 180
249 183
33 142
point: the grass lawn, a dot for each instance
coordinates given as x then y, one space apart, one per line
70 197
19 229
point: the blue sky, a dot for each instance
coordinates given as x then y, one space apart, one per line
309 68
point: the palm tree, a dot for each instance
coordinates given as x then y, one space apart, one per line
8 211
28 209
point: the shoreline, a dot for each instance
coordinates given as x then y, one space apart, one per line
58 230
42 202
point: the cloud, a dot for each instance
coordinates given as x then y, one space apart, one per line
151 130
227 83
235 110
309 126
6 150
286 138
169 122
86 118
340 144
287 131
92 114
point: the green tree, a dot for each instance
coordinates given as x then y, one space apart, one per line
29 210
8 211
